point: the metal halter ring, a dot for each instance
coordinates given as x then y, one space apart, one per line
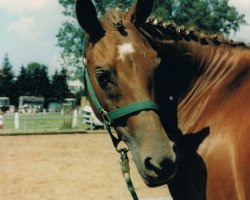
105 117
122 151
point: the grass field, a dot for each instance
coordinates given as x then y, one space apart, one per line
40 122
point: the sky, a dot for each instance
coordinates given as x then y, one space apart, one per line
27 32
28 29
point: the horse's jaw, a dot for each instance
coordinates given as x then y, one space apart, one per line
155 162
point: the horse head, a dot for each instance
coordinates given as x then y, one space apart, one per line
121 65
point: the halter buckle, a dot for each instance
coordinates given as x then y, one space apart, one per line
105 117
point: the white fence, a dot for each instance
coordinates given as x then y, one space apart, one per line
33 122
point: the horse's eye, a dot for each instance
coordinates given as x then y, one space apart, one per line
103 77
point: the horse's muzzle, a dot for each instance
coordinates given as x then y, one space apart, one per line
157 174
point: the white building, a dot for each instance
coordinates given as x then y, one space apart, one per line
75 86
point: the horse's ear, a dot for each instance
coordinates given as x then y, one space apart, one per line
87 18
140 11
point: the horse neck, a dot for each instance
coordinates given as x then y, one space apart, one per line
197 67
192 72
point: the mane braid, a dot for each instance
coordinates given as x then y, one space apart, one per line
159 30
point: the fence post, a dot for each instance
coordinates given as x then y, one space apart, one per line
16 120
74 120
92 123
1 120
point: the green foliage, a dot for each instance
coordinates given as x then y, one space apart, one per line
22 83
7 79
41 81
70 39
103 5
7 69
69 7
207 15
59 85
33 81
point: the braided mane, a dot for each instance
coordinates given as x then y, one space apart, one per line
159 30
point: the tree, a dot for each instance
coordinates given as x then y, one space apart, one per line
33 81
22 82
39 80
1 83
7 79
59 85
7 69
70 39
207 15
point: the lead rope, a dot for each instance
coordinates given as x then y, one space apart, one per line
124 162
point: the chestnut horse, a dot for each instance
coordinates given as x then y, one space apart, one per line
202 86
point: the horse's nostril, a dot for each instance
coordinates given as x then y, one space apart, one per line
147 163
150 165
162 166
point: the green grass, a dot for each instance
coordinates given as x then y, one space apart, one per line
40 122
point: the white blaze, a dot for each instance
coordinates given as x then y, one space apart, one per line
124 50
